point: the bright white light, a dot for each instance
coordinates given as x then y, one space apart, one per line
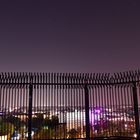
3 137
125 125
135 135
10 109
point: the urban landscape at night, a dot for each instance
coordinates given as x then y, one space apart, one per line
69 69
69 106
67 122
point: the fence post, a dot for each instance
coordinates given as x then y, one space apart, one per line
87 112
30 112
136 110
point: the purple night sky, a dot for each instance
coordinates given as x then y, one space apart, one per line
69 36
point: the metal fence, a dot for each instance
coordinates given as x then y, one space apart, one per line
69 106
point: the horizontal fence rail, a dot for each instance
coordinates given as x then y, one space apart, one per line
69 106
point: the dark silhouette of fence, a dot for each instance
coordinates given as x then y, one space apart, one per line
69 106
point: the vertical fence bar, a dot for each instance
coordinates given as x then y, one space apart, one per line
87 112
30 111
136 111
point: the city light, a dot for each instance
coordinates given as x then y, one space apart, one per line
135 135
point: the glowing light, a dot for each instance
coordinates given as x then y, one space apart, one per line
125 125
3 137
98 111
135 135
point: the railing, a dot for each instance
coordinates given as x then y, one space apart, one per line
69 106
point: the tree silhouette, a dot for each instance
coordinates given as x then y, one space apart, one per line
37 122
73 133
51 123
13 120
6 129
54 123
47 122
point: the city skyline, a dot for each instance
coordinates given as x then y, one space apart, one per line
69 69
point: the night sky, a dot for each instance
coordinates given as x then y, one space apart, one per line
69 35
